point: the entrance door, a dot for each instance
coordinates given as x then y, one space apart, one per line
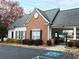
59 37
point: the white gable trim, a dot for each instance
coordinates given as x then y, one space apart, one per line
42 16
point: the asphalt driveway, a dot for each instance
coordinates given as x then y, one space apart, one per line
11 52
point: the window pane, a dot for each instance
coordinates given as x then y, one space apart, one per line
35 34
21 35
17 34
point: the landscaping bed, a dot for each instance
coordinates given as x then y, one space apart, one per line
13 41
32 42
73 43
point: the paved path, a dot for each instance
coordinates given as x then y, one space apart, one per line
15 52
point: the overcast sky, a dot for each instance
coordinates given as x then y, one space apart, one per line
29 5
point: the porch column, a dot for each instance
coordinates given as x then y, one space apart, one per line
14 34
74 36
50 34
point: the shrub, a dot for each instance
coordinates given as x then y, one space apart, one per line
27 41
74 43
30 42
77 44
37 42
13 41
70 44
49 43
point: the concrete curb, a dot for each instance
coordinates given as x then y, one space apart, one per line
56 48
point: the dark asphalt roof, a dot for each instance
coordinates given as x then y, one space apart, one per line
20 22
50 14
67 18
54 16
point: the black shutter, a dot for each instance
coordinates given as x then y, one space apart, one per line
30 34
41 34
12 34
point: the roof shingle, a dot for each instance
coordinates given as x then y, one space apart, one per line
20 22
67 18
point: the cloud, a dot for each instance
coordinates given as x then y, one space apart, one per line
68 4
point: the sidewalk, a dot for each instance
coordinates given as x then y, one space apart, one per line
56 48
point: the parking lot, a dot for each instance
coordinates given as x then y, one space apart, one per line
11 52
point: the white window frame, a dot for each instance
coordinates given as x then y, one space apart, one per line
35 34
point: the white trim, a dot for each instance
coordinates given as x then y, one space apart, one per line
42 16
74 37
35 34
14 35
36 15
20 29
48 32
16 29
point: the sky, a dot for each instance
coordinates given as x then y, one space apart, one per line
29 5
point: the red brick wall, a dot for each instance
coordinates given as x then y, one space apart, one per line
38 23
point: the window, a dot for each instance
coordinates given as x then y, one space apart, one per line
16 34
35 34
19 34
70 32
36 15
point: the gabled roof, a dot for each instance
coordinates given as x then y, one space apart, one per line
20 22
50 14
67 18
54 16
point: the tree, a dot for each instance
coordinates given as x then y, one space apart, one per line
3 31
10 11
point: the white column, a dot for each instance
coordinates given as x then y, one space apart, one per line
74 36
50 31
24 34
9 34
14 35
